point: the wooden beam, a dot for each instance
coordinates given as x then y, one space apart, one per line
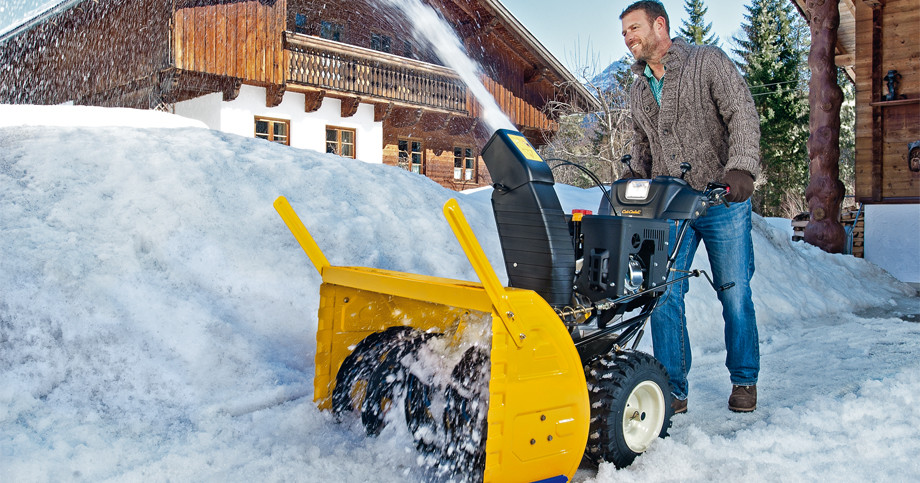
232 90
313 100
878 124
350 106
536 75
382 111
274 94
845 60
849 6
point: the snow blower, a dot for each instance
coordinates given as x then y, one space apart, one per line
517 383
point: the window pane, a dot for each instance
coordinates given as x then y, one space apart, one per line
458 173
280 129
262 129
348 137
348 150
331 135
416 146
331 148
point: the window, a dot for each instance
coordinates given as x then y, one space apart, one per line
276 130
380 42
300 23
407 49
341 141
331 30
410 156
464 163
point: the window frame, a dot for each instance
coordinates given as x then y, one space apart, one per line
336 30
271 131
406 162
385 42
466 173
338 142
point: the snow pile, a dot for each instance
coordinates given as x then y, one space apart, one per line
157 319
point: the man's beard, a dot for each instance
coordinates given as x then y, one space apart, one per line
647 47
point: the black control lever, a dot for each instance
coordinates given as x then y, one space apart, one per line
626 160
720 288
684 169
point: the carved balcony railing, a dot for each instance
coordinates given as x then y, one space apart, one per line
335 66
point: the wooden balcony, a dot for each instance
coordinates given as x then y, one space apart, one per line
333 66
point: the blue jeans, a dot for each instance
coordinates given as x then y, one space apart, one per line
727 235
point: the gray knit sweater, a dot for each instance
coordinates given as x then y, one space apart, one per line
707 117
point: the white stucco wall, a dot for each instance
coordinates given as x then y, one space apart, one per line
308 129
205 109
892 239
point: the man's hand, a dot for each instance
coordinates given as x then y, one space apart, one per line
741 185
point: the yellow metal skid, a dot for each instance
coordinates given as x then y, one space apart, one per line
538 413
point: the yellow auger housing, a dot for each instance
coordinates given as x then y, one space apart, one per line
538 405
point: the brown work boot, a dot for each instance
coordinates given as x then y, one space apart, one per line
743 399
678 406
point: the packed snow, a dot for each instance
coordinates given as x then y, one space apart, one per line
157 319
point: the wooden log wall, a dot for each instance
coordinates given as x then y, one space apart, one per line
241 39
888 38
520 112
103 52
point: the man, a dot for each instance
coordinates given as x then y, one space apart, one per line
691 104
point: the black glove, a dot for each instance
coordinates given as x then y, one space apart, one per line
741 185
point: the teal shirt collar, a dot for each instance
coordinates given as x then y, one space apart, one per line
654 83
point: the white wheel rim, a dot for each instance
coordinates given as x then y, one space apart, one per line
643 416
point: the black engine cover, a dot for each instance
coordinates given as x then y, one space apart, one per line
609 244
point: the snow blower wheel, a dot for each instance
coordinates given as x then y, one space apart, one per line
630 406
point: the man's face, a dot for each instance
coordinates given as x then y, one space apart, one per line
640 35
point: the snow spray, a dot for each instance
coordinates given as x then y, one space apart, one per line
430 27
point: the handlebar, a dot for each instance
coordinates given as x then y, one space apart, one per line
716 193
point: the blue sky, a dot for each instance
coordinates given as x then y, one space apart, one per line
584 33
580 33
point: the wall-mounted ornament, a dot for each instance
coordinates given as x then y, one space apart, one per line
913 156
892 82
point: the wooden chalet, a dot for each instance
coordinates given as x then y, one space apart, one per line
339 76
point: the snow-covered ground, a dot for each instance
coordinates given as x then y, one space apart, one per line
157 319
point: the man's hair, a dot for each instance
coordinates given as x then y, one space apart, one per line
652 8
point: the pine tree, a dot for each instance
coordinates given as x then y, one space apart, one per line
695 30
773 52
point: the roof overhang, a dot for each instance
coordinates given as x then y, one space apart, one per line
542 54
